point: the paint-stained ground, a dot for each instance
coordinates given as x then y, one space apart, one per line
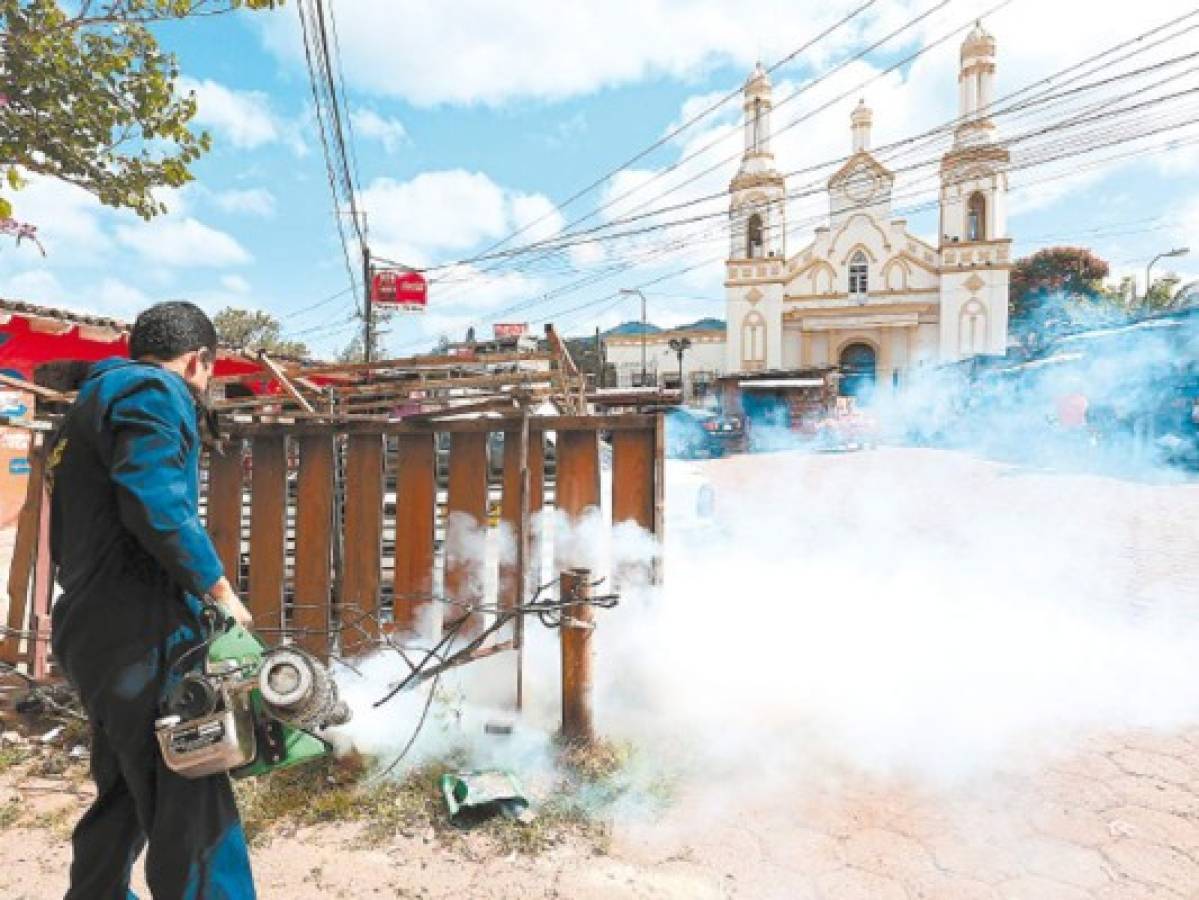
1111 815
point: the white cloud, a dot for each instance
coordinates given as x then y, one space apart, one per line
235 284
118 299
438 213
34 286
250 201
477 51
387 131
244 118
67 218
183 243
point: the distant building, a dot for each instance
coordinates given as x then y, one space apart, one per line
703 361
865 294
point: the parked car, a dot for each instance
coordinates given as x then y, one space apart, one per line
700 434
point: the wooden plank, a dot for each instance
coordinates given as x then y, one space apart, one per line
363 545
20 573
416 511
633 485
224 506
283 380
659 493
577 485
407 362
43 593
268 531
314 533
514 524
466 515
610 422
536 504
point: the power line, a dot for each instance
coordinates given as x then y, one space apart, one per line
882 152
592 236
314 80
1131 123
675 132
808 85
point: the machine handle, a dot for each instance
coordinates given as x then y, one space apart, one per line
216 618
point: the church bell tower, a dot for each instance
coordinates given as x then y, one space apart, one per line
757 194
974 247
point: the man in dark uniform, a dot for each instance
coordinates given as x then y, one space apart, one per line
133 560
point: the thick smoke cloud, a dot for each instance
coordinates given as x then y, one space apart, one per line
910 611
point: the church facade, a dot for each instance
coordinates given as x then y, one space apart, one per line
865 293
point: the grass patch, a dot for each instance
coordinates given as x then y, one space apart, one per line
59 822
578 802
330 792
12 755
10 813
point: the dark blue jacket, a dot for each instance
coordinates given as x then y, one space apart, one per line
125 528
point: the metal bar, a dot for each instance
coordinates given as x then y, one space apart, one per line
466 517
578 721
416 511
314 521
363 546
268 529
225 473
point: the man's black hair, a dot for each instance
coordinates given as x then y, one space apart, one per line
168 330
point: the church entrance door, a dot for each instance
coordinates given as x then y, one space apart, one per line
858 365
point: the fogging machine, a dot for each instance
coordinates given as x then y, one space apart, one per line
250 709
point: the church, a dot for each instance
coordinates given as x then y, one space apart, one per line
864 293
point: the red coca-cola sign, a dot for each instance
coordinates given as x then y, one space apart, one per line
400 288
509 329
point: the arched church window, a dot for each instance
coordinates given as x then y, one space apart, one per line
976 217
859 277
757 126
972 330
753 341
753 237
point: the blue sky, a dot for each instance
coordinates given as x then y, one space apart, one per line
472 119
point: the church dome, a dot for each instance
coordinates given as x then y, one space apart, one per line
979 42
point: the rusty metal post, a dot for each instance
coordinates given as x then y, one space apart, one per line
578 724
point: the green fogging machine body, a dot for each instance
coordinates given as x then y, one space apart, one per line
249 710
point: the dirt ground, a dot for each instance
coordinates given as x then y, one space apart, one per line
1115 816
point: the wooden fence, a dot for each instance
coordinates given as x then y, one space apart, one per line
338 532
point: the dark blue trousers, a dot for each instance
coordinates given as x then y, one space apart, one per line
196 846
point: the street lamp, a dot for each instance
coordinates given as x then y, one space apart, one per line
681 346
638 292
1177 251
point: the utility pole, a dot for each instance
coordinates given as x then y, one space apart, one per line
681 346
640 294
368 309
